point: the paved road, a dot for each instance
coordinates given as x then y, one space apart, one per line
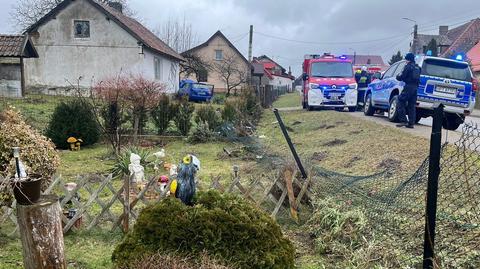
422 129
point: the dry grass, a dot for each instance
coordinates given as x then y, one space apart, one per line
173 261
346 144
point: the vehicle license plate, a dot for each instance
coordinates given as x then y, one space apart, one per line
335 96
446 90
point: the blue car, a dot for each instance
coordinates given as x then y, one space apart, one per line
442 80
196 91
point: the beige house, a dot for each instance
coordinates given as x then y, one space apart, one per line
217 62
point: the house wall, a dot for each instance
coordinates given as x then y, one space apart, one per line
63 59
208 54
10 78
169 70
278 81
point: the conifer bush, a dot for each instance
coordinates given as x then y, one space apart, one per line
227 227
183 113
207 114
36 152
73 119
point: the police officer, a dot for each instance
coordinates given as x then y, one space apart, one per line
408 98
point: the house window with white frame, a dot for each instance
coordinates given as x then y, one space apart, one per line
157 64
218 55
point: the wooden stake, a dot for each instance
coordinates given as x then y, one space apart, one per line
288 176
41 234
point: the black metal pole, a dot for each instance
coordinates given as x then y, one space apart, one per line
290 144
432 188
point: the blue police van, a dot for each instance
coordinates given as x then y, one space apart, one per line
446 81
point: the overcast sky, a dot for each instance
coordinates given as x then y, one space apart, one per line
338 26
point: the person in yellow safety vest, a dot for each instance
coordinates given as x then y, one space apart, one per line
363 78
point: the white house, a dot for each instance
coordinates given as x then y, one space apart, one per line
85 41
274 74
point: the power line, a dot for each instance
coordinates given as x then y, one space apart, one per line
330 43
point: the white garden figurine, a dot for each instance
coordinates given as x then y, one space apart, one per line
159 155
137 173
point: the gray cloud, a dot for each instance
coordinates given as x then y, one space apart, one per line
308 20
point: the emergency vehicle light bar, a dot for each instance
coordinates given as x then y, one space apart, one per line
317 56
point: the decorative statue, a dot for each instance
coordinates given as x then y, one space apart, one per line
186 179
137 174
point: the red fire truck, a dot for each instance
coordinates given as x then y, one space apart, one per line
329 82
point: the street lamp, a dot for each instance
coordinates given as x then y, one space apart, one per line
408 19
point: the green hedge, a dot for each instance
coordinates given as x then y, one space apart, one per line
74 118
226 227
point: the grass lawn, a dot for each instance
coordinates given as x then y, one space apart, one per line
289 100
37 109
339 142
83 250
333 140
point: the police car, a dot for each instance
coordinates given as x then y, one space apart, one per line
446 81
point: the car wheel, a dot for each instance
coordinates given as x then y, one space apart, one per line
368 108
393 109
452 122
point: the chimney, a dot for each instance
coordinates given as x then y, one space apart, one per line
442 30
116 5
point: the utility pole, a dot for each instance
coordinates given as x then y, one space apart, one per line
250 41
413 48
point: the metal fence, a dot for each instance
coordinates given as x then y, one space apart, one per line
268 94
429 220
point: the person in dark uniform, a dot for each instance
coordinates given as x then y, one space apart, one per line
363 78
408 98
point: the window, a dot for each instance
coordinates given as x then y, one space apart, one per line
332 70
218 55
157 65
446 69
390 71
81 29
400 68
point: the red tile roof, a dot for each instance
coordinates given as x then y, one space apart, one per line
474 57
132 26
16 46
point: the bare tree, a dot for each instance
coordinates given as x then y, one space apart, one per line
27 12
231 72
194 65
177 34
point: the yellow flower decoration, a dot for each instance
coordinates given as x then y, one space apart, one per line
187 159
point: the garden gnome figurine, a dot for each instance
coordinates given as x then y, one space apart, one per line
137 174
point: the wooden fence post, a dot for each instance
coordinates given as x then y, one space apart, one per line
41 234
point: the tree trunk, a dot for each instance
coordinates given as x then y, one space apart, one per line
136 124
40 227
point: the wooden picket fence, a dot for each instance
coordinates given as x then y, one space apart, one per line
97 202
276 188
100 201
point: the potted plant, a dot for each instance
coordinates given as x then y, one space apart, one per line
26 188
